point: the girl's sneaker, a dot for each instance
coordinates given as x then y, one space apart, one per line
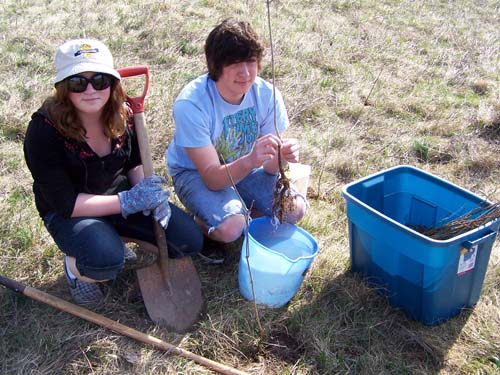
129 254
83 293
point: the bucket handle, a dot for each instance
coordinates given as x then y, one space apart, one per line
469 244
313 255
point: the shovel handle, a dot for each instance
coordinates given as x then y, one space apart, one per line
115 326
137 105
12 284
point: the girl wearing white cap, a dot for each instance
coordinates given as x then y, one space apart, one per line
89 185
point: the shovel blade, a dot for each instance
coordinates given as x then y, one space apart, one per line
173 299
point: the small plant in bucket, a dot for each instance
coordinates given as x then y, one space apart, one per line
284 200
278 254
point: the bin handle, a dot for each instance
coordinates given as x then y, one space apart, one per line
468 244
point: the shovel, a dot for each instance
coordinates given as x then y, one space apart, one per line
170 288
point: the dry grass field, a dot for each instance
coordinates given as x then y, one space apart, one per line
368 85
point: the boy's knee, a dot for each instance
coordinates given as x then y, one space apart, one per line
298 212
230 229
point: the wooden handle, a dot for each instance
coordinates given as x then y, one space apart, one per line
112 325
147 164
137 105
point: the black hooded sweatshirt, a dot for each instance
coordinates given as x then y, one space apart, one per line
63 167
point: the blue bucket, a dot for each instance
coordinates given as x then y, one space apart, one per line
278 257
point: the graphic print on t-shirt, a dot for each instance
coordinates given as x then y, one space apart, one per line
239 132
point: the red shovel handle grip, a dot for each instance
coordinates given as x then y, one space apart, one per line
136 103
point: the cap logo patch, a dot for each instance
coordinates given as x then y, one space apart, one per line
86 51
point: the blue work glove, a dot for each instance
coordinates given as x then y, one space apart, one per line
162 213
144 196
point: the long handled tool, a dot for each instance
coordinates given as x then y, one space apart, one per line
119 328
170 288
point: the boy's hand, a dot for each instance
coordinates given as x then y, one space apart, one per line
290 150
266 148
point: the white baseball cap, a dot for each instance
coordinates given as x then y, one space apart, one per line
83 55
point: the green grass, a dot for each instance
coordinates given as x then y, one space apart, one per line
435 105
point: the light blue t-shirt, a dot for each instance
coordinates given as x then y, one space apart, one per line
203 117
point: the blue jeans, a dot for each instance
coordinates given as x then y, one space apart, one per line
213 207
95 241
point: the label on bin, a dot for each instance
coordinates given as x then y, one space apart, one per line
467 260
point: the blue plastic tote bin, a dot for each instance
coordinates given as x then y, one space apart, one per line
430 280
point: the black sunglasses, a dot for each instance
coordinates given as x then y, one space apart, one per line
100 81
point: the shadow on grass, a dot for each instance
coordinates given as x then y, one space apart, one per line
349 327
229 312
491 133
338 325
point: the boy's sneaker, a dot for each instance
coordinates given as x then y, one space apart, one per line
213 252
83 293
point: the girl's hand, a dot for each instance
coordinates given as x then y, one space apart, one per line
144 196
162 213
